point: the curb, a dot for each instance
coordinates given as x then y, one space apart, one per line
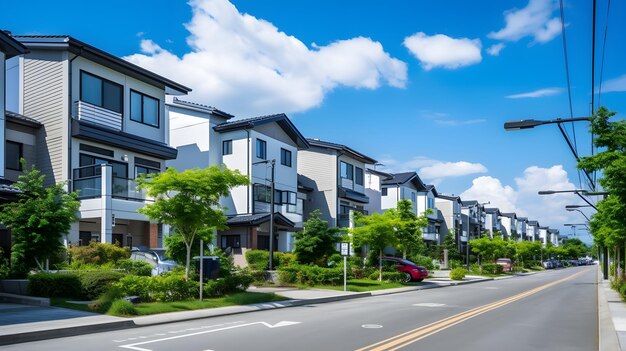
64 332
607 336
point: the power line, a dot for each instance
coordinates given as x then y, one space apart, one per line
606 30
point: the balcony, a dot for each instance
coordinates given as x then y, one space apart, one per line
430 236
88 182
98 115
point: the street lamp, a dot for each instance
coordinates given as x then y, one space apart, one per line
579 192
571 207
272 164
581 212
532 123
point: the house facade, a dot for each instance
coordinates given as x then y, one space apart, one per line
336 175
474 217
492 221
103 123
450 213
508 225
374 189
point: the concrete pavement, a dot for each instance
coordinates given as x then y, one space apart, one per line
22 323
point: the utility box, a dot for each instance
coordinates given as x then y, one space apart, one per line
210 266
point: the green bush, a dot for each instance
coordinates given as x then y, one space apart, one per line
474 267
396 276
104 302
452 264
257 259
492 268
122 308
283 259
362 273
168 288
54 285
135 267
229 284
95 283
311 275
424 261
458 273
133 285
98 253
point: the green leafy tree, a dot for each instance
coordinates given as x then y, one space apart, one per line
409 230
488 248
176 249
37 220
189 200
317 241
378 231
449 243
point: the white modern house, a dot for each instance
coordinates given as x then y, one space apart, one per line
450 213
522 225
374 189
554 237
544 236
263 148
103 123
532 230
492 220
508 225
335 173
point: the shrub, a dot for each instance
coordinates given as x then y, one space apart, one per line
54 285
258 259
95 283
168 288
310 275
389 276
283 259
135 267
99 253
474 267
230 284
133 285
424 261
492 268
452 264
104 302
122 308
458 273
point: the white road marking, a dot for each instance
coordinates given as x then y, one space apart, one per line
277 325
371 326
491 288
179 331
429 304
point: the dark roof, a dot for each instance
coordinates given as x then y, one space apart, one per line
21 119
256 219
10 46
302 187
342 148
8 191
533 223
450 198
66 42
384 175
553 231
281 119
203 108
403 178
510 215
432 188
469 203
522 219
492 210
353 195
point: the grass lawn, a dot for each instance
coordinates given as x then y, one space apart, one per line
144 309
362 285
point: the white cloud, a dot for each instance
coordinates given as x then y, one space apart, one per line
451 169
536 94
457 122
614 85
443 51
494 50
523 198
245 65
535 20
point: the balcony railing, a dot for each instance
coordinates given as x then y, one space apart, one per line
88 182
98 115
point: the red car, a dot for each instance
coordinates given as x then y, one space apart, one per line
412 271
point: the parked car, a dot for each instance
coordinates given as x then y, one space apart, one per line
548 265
506 263
155 257
412 271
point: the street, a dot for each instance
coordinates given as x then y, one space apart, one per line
552 310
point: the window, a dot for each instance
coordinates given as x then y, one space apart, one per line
120 169
347 171
227 147
431 203
100 92
145 170
262 193
261 149
413 197
384 191
13 154
144 109
358 179
231 241
285 157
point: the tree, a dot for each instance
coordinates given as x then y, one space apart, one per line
317 241
37 220
378 231
449 243
488 248
409 230
189 200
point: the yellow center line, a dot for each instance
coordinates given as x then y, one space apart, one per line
404 339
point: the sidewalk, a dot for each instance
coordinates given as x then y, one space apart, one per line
611 317
23 323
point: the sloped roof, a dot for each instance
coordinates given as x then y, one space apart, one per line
449 197
342 148
403 178
258 218
432 188
201 107
21 119
75 46
281 119
10 46
510 215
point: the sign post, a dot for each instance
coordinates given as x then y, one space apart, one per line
345 252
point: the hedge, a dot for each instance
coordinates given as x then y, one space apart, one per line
492 268
54 285
259 259
311 275
95 283
458 273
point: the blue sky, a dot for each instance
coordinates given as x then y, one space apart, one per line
417 85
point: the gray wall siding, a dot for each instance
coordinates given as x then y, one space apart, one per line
45 99
317 168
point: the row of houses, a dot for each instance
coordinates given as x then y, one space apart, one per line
95 121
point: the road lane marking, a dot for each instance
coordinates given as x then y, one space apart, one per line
135 347
429 304
412 336
371 326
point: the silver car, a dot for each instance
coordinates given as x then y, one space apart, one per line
155 258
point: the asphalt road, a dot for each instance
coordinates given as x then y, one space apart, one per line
554 310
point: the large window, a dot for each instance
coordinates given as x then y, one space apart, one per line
119 169
144 109
261 149
227 147
358 179
101 92
347 171
285 157
13 154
